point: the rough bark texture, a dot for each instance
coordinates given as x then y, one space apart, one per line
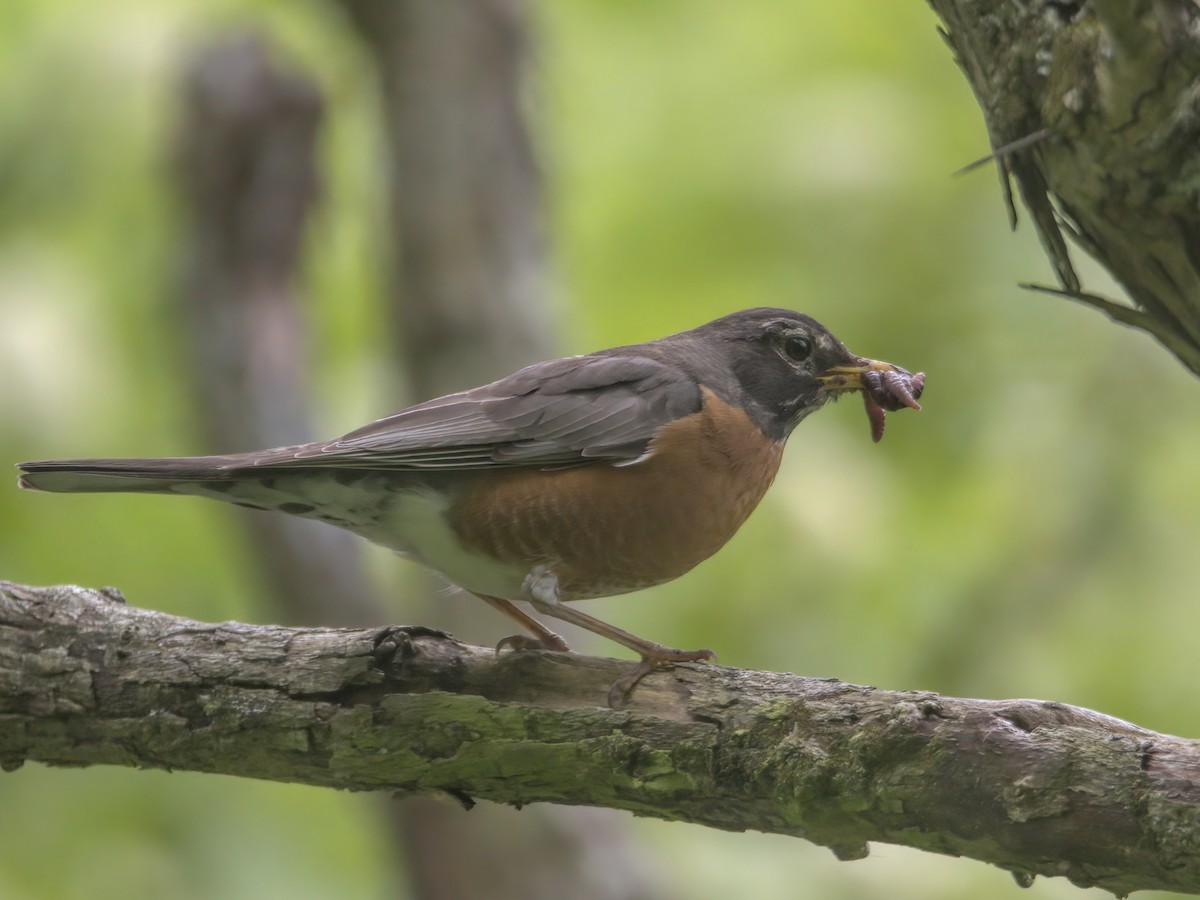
1092 108
1034 787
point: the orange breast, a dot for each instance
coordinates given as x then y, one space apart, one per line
607 530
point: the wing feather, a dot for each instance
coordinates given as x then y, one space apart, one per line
559 413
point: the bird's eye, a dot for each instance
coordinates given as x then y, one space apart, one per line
797 348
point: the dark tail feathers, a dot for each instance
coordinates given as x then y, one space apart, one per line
105 475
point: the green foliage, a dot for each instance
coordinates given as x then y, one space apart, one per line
1031 532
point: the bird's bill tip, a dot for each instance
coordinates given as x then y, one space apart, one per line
885 387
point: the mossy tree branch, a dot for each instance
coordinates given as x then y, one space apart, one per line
1093 109
1034 787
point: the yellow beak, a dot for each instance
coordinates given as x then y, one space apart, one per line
850 378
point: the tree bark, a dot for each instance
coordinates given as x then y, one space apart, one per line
1035 787
1092 110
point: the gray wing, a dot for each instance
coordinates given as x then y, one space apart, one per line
553 414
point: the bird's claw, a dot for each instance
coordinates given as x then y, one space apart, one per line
618 694
550 642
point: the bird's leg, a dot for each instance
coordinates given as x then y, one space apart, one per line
541 587
545 638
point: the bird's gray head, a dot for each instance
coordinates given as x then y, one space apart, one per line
780 366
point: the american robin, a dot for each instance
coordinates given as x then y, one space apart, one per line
570 479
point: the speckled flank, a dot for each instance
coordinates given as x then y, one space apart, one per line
356 503
392 509
593 525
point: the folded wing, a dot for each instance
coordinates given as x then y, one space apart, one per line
554 414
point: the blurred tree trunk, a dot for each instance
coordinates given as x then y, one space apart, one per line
245 159
1092 111
472 287
470 302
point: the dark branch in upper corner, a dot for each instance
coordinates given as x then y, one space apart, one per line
1108 80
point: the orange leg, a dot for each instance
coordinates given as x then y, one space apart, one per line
542 588
653 655
545 638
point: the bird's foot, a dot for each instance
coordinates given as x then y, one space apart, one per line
657 657
548 641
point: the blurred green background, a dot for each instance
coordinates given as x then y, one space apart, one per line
1032 532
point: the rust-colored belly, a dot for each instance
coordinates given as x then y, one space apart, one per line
607 530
